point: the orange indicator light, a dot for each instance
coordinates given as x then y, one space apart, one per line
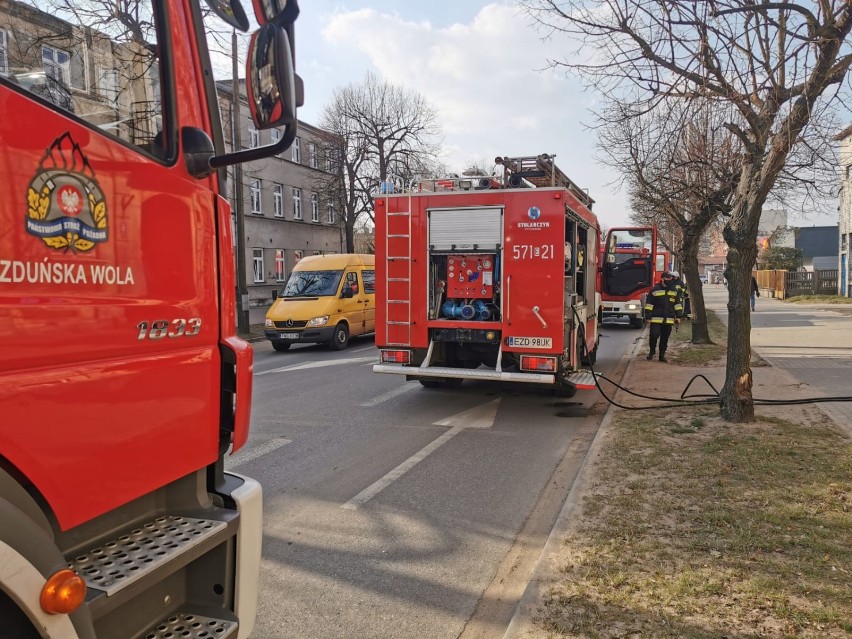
63 592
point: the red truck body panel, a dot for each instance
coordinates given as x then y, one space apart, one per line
167 243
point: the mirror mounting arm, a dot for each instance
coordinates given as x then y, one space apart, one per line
247 155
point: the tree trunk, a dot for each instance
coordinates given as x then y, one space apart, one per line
689 259
737 402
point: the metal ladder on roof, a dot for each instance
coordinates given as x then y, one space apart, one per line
398 285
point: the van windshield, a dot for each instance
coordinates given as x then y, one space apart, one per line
312 284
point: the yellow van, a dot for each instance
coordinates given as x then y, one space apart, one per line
327 300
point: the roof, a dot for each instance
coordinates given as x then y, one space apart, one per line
334 261
818 241
845 133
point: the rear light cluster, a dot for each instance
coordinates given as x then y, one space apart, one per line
534 363
396 357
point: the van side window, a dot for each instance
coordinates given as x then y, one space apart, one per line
352 281
369 278
83 62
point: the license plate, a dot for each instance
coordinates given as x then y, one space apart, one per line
288 335
531 342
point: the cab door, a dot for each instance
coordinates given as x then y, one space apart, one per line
353 307
368 276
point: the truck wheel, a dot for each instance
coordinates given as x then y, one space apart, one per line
281 346
565 390
340 340
636 322
451 382
429 383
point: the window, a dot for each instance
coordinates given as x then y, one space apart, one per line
297 204
257 263
278 200
57 64
254 137
330 163
369 278
75 57
329 211
255 197
314 158
4 59
280 273
276 136
108 86
314 207
297 151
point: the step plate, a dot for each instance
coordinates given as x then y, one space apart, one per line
583 379
122 561
190 626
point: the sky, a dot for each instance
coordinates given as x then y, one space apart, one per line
480 64
484 67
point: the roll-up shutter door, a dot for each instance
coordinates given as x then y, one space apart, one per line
477 229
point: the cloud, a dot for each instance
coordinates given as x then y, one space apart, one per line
489 80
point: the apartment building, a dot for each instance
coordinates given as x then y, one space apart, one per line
287 207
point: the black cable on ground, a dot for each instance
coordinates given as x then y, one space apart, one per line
684 399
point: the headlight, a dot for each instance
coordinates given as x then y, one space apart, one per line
318 321
632 307
269 323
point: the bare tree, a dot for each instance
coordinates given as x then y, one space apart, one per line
680 169
382 134
776 64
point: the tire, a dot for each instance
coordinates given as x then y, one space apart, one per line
565 390
451 382
281 346
636 322
340 339
429 383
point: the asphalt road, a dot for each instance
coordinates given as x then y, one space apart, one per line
391 510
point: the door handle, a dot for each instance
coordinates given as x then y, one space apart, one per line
535 310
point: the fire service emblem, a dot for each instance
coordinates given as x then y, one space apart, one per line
66 207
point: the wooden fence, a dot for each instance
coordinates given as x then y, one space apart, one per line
784 284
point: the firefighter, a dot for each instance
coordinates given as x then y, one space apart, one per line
664 308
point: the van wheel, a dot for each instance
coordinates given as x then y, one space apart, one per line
281 346
341 337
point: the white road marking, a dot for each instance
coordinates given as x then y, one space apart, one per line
319 364
361 350
399 390
481 416
244 455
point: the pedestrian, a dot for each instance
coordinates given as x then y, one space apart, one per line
755 292
663 307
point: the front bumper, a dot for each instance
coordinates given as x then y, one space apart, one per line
320 335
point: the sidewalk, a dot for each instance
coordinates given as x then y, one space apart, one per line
808 349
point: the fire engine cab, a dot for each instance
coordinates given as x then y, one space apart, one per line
489 278
630 266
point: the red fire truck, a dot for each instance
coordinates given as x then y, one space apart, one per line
122 381
489 279
631 264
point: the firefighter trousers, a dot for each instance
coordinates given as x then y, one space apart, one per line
660 332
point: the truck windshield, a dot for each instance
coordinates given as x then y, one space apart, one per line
312 284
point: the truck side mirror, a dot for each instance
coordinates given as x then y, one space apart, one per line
271 81
230 12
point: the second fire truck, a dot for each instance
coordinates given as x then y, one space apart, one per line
491 278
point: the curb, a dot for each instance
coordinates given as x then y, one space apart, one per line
542 572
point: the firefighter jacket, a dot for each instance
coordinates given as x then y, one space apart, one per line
663 304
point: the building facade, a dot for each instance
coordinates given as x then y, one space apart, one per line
285 207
